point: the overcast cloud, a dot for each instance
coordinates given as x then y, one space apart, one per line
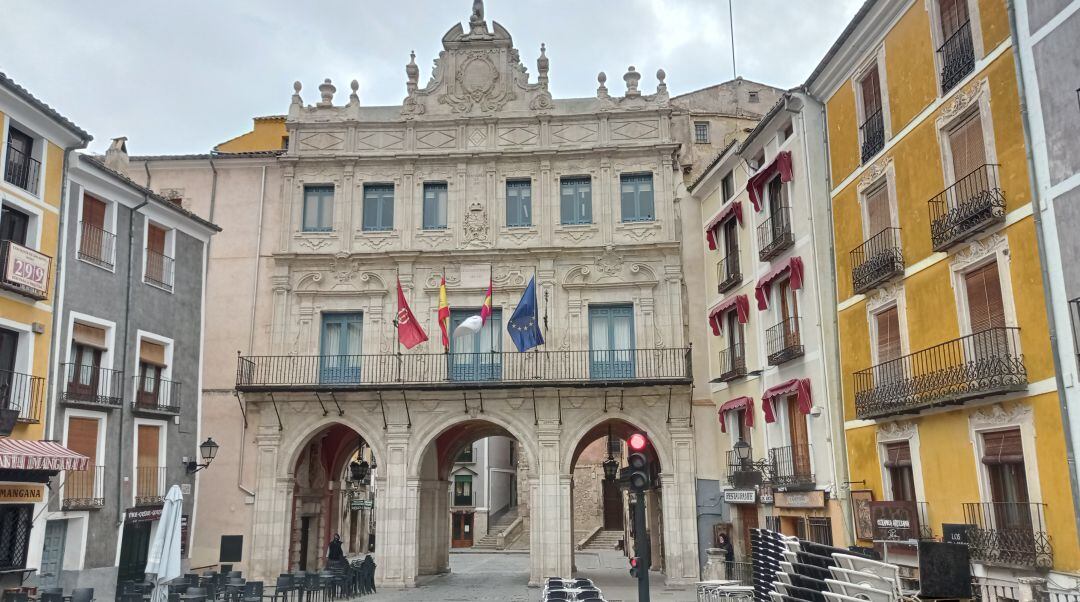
180 77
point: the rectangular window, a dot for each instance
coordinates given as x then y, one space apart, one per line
870 86
898 467
84 488
435 205
463 490
14 225
611 341
151 394
22 169
954 15
95 242
727 185
159 266
378 207
84 374
878 212
466 455
476 355
518 203
1003 457
637 198
986 308
820 529
15 522
701 132
150 474
614 446
318 208
787 132
341 347
967 147
576 200
888 335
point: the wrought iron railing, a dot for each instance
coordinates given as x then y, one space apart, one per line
440 370
742 572
987 590
150 484
973 203
22 392
22 170
745 473
957 57
774 234
156 395
159 269
27 273
1009 534
97 246
873 135
791 466
84 489
91 385
783 342
732 362
877 260
728 272
975 365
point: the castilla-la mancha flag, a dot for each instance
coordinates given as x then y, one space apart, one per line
409 332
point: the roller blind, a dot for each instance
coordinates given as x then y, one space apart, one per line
1003 447
871 93
92 336
82 437
152 353
148 445
897 454
966 144
954 13
93 212
877 210
888 335
155 239
986 309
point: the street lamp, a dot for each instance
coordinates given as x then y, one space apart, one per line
611 465
742 450
208 450
358 471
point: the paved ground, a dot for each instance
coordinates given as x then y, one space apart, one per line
503 577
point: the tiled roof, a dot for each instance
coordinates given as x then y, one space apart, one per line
25 94
716 160
205 156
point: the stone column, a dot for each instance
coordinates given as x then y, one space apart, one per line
271 519
551 530
680 507
433 532
397 512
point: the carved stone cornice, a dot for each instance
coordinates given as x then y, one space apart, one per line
962 101
893 431
979 250
875 171
1001 415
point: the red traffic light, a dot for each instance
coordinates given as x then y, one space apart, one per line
635 570
638 441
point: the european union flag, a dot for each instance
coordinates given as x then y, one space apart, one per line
524 326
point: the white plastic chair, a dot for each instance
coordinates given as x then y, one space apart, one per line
862 592
865 579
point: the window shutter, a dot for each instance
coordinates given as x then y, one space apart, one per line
152 353
897 454
954 13
82 437
148 446
93 212
155 239
871 93
877 210
968 150
888 335
92 336
1003 447
986 308
731 237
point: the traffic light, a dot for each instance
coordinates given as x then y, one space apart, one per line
635 567
639 475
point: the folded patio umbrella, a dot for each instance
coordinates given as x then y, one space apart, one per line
163 557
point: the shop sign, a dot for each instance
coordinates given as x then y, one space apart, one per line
800 499
27 267
766 496
142 515
740 496
21 493
359 504
895 521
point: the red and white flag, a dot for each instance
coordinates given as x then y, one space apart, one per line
409 332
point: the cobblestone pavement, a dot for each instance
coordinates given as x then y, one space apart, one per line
504 577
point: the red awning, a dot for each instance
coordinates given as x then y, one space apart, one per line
739 403
793 265
799 386
734 207
780 165
17 454
741 303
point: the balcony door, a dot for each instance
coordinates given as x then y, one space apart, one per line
989 342
798 437
1003 457
149 477
92 244
476 356
731 245
14 225
878 212
82 438
779 224
611 341
9 349
954 15
789 313
968 154
340 348
887 332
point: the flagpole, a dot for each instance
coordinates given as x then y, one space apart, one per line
397 333
491 330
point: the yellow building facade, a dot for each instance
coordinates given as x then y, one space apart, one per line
949 392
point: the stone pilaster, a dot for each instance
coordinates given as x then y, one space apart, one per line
398 512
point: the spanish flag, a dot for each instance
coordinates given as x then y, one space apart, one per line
444 313
485 311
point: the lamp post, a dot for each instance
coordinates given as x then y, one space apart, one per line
742 450
610 465
208 449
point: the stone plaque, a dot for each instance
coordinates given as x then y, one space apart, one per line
799 499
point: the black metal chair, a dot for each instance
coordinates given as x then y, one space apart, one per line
195 594
283 588
44 596
313 588
16 597
82 594
253 592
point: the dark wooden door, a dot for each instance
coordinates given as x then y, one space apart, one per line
800 439
133 549
462 531
613 506
747 516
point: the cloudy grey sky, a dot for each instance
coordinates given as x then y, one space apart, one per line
179 77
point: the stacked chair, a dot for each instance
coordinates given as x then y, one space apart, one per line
559 589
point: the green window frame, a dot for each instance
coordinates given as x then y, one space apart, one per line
518 203
575 200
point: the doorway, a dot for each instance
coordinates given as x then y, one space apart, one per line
746 519
133 549
305 534
52 554
613 506
462 535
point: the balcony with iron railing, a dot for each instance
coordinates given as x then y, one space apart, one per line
504 369
745 473
728 273
774 234
22 170
877 260
972 204
84 489
957 57
783 341
92 386
732 363
97 246
976 365
1009 534
150 485
159 270
873 135
156 395
22 392
24 270
791 466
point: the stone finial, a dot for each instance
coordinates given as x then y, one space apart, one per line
542 64
116 157
296 100
632 78
661 86
601 90
412 72
354 98
326 90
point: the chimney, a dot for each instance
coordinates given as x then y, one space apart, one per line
116 158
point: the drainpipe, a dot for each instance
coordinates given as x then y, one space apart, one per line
58 297
1040 238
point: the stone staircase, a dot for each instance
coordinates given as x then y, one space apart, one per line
604 540
500 524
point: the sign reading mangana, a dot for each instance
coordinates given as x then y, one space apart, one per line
21 493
